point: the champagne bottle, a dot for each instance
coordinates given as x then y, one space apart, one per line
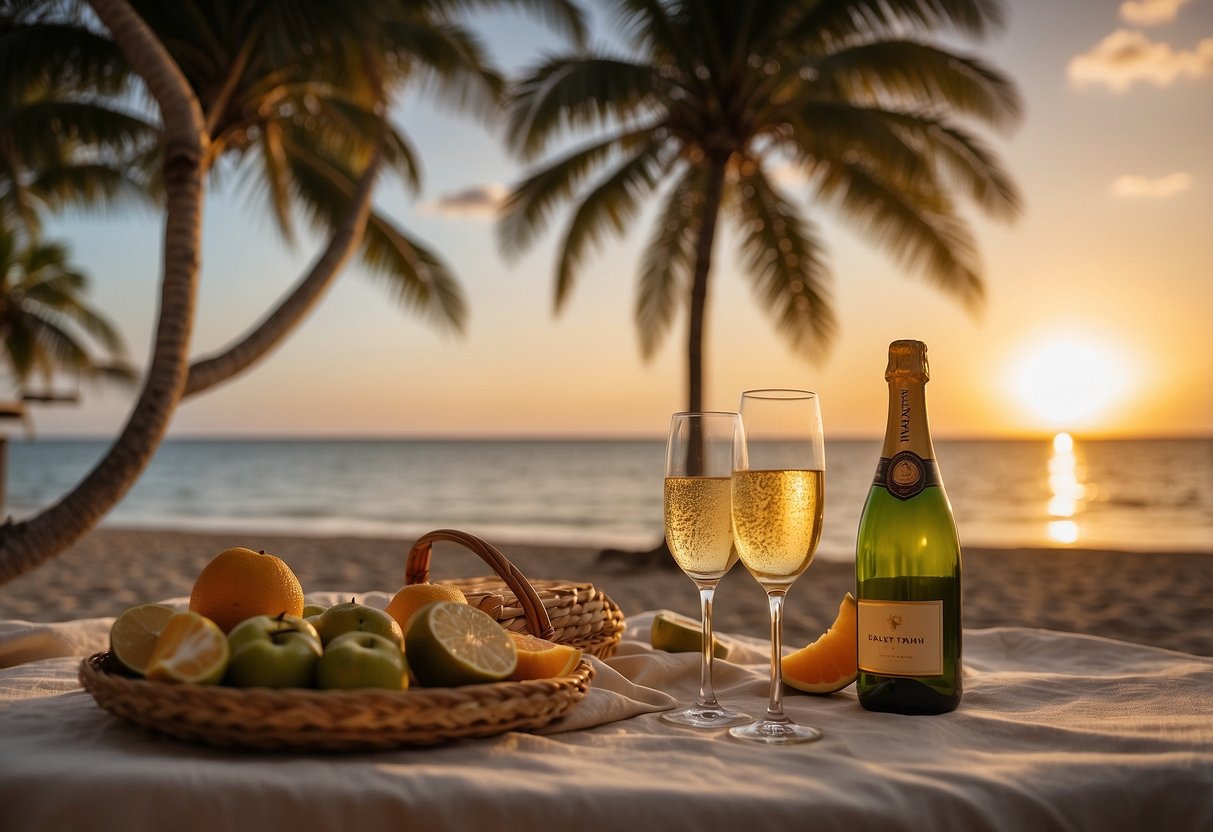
907 560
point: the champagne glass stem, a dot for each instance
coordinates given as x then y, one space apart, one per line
707 696
775 705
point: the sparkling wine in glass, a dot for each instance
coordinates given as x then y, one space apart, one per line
699 533
778 489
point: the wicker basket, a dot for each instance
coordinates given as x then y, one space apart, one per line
262 718
579 614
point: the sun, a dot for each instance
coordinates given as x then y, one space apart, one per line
1071 383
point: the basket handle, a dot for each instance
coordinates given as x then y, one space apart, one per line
417 571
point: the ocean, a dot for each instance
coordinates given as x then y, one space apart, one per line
1116 494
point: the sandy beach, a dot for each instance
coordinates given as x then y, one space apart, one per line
1160 599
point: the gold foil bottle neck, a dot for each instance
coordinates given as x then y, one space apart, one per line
907 359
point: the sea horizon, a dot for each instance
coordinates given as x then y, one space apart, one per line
605 492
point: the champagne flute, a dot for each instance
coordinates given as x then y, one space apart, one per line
778 486
699 533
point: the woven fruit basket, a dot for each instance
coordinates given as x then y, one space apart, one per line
336 720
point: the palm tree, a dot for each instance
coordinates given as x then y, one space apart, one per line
718 97
46 326
299 95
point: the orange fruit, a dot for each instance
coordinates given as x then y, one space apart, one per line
240 583
830 663
542 659
191 648
415 596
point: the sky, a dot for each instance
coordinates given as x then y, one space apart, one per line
1099 295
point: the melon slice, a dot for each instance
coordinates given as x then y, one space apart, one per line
830 663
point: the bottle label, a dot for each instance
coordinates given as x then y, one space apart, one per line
901 638
905 474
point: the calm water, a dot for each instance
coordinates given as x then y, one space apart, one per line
1135 495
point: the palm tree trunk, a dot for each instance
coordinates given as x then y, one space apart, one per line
26 544
699 284
234 359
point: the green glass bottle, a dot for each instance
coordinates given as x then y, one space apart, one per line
907 560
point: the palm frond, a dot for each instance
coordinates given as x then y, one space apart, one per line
449 61
530 204
840 20
838 131
575 93
416 277
919 229
668 260
608 207
91 185
783 259
57 54
56 346
40 130
967 161
277 176
912 75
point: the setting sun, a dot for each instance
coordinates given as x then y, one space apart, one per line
1070 383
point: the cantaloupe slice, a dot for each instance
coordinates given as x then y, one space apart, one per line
830 663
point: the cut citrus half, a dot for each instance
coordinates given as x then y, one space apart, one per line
134 633
539 658
831 662
191 648
450 644
677 634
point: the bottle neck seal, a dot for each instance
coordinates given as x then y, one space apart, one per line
907 428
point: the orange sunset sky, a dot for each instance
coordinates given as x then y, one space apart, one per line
1097 321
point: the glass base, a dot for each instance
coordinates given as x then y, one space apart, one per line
776 732
706 716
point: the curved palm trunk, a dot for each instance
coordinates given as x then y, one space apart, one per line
26 544
699 284
215 369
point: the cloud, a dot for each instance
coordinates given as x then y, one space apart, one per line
1150 12
1135 187
1125 57
477 202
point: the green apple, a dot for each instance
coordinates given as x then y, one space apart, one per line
310 610
362 660
272 652
350 617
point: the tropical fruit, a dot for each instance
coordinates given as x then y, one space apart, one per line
191 648
240 583
539 658
677 634
134 633
830 663
450 644
415 596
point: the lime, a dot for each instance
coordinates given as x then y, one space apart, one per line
676 634
134 634
191 648
450 644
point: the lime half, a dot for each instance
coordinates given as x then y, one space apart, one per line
450 644
676 634
134 635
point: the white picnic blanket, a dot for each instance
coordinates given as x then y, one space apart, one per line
1056 731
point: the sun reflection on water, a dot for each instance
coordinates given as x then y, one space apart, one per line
1067 490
